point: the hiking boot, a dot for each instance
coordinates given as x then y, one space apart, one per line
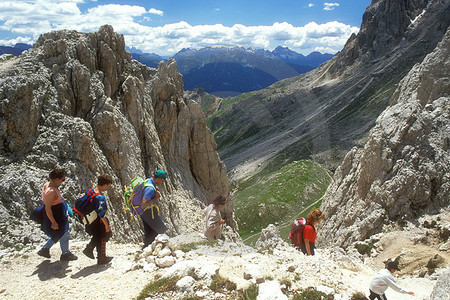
45 252
104 260
68 256
89 252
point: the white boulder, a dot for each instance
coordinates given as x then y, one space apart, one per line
186 284
164 252
165 262
252 271
270 290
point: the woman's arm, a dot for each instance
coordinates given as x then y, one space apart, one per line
308 247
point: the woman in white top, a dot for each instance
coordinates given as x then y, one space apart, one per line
213 219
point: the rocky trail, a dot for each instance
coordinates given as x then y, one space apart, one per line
25 275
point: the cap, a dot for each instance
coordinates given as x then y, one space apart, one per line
392 265
160 174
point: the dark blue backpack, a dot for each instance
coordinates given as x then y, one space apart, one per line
85 207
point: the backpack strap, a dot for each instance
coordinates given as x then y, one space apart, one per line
93 194
147 183
310 224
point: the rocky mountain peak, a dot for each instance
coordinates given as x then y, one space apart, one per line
392 26
79 101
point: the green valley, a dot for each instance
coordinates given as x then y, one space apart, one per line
278 196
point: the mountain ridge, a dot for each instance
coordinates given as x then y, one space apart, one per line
264 67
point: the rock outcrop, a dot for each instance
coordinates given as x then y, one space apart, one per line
441 290
403 170
80 102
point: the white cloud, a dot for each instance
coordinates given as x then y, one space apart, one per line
29 19
330 6
310 5
171 38
155 11
20 39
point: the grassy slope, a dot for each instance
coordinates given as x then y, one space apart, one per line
278 196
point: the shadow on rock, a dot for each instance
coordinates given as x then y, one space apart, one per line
47 270
90 270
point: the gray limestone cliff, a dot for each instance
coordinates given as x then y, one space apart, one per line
79 101
403 170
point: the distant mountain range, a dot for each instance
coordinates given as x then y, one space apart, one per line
229 71
226 71
17 49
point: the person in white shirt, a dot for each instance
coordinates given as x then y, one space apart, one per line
383 280
213 219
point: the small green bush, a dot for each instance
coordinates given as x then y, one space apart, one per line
191 246
160 285
219 284
402 223
428 225
250 293
364 248
310 294
358 296
444 234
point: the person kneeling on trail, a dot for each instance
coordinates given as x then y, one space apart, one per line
303 234
213 219
383 280
153 224
99 227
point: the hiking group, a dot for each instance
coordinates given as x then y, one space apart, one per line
91 209
141 198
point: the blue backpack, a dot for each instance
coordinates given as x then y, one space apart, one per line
85 207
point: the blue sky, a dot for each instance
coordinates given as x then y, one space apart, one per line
166 26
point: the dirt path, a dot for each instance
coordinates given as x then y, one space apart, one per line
34 277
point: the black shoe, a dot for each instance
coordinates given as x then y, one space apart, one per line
68 256
45 252
89 252
104 260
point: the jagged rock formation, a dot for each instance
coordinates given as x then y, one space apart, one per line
327 111
80 102
403 170
441 290
269 239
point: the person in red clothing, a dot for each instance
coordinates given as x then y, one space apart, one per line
309 232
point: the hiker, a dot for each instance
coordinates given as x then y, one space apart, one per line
309 231
383 280
213 219
55 221
99 228
153 223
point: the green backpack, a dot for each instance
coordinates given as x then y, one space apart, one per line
133 194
